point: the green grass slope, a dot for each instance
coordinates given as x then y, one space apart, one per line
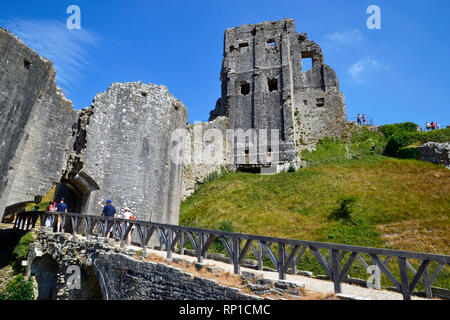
387 192
376 201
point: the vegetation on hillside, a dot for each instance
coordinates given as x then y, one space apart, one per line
403 139
374 201
396 140
20 252
18 289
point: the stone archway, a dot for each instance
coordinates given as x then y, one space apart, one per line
45 270
90 287
76 191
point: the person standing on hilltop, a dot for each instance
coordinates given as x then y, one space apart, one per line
109 211
427 126
433 125
358 119
364 119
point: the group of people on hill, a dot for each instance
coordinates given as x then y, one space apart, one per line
108 211
432 126
363 117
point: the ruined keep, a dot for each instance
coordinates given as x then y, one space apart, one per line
118 148
264 86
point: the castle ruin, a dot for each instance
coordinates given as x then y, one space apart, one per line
264 87
120 147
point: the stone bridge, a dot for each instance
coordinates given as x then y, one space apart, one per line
108 273
110 270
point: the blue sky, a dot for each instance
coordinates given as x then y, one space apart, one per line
399 73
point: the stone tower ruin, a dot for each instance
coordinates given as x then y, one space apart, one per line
264 87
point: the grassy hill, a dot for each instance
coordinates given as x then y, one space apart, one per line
391 196
389 203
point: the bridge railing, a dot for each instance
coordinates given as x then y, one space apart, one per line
285 254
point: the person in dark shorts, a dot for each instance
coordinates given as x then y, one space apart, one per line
109 211
60 207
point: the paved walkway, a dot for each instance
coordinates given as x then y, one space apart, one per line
311 284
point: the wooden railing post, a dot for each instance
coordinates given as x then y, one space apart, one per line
260 254
169 243
236 251
335 270
200 248
281 251
404 278
182 242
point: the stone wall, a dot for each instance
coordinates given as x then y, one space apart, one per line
119 276
264 86
35 123
436 152
126 149
319 105
118 148
199 156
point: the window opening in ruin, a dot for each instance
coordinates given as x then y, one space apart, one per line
245 88
320 102
247 152
144 94
243 45
305 102
271 42
269 152
26 64
273 84
306 64
232 48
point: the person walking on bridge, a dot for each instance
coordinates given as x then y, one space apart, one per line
60 207
51 208
109 211
129 216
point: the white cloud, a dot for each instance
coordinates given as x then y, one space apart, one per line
70 50
347 37
366 66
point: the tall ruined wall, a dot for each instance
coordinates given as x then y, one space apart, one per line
35 123
319 104
200 149
256 81
125 148
119 148
264 86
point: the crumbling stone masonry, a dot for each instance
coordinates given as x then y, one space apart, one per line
265 87
110 273
126 149
119 148
436 152
35 124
